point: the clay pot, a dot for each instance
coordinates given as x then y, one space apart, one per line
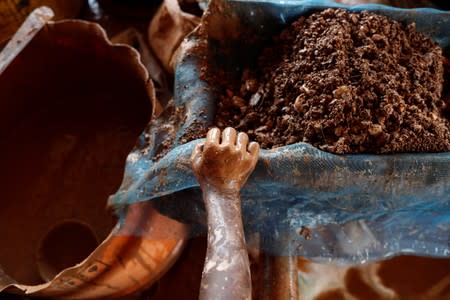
72 108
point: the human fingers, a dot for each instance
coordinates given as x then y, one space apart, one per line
253 148
242 141
197 154
228 136
213 136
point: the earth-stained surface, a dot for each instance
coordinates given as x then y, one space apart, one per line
346 83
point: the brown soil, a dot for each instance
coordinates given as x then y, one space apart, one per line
171 117
346 83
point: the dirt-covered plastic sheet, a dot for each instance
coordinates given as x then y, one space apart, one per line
299 200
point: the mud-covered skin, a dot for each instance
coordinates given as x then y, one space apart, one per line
222 168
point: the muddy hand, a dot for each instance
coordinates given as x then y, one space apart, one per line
222 165
224 162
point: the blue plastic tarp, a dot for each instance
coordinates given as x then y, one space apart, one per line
357 207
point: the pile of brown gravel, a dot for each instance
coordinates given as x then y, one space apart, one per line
346 83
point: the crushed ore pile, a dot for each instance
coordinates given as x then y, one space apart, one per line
345 83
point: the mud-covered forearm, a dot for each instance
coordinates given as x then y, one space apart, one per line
226 274
222 164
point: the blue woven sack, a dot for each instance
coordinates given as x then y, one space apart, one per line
357 208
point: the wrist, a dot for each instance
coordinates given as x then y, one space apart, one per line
222 191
